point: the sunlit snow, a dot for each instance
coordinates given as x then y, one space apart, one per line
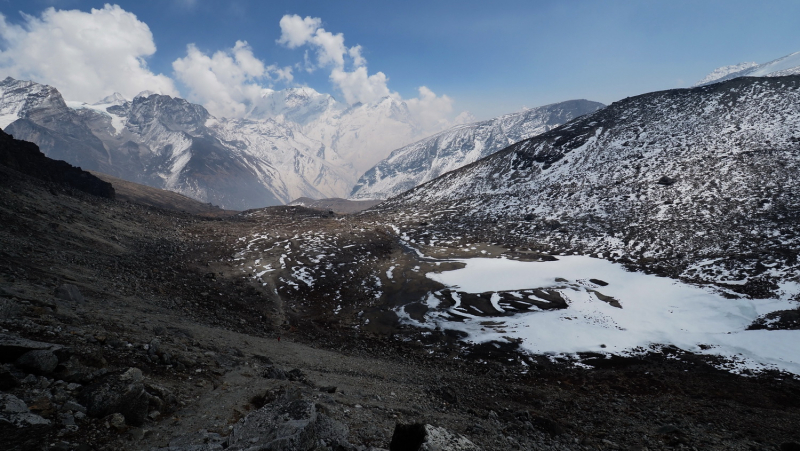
655 310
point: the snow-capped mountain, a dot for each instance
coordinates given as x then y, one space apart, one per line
699 183
170 143
297 105
428 158
787 65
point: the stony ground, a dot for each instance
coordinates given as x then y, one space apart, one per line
215 316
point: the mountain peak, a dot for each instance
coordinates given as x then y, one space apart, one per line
113 99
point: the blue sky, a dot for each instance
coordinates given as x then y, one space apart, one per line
488 57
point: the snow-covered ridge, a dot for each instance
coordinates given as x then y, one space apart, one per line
428 158
787 65
697 183
170 143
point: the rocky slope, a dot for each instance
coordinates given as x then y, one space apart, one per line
170 143
695 183
130 327
431 157
25 157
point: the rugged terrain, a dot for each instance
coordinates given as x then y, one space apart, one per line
220 318
698 184
453 148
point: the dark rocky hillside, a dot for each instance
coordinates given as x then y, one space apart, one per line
26 158
124 326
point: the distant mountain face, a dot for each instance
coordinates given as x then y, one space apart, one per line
699 183
451 149
787 65
170 143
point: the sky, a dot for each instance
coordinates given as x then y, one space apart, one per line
446 57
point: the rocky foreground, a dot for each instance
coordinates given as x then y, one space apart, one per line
131 327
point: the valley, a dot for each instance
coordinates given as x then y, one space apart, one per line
221 315
569 277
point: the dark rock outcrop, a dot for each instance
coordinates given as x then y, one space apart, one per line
26 157
119 392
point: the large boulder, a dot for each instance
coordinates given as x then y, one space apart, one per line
19 428
118 392
12 348
287 424
40 361
426 437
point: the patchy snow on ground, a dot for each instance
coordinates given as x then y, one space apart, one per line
655 310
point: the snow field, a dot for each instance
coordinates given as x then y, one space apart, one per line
655 311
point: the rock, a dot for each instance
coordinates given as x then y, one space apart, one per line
161 398
122 393
296 375
273 372
666 181
425 437
19 428
40 361
74 371
12 348
116 421
288 423
73 406
69 292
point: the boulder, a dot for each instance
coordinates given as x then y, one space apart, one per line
40 361
12 348
19 428
289 423
426 437
118 392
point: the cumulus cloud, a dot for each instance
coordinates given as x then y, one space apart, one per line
350 75
85 55
358 86
228 82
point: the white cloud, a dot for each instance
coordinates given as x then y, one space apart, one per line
228 82
430 111
358 86
296 31
83 54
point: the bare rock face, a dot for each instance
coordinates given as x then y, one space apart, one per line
426 437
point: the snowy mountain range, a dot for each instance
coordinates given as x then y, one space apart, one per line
787 65
170 143
694 183
451 149
292 143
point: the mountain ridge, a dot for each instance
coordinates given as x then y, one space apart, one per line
666 180
430 157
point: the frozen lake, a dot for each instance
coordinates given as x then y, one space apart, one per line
654 310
